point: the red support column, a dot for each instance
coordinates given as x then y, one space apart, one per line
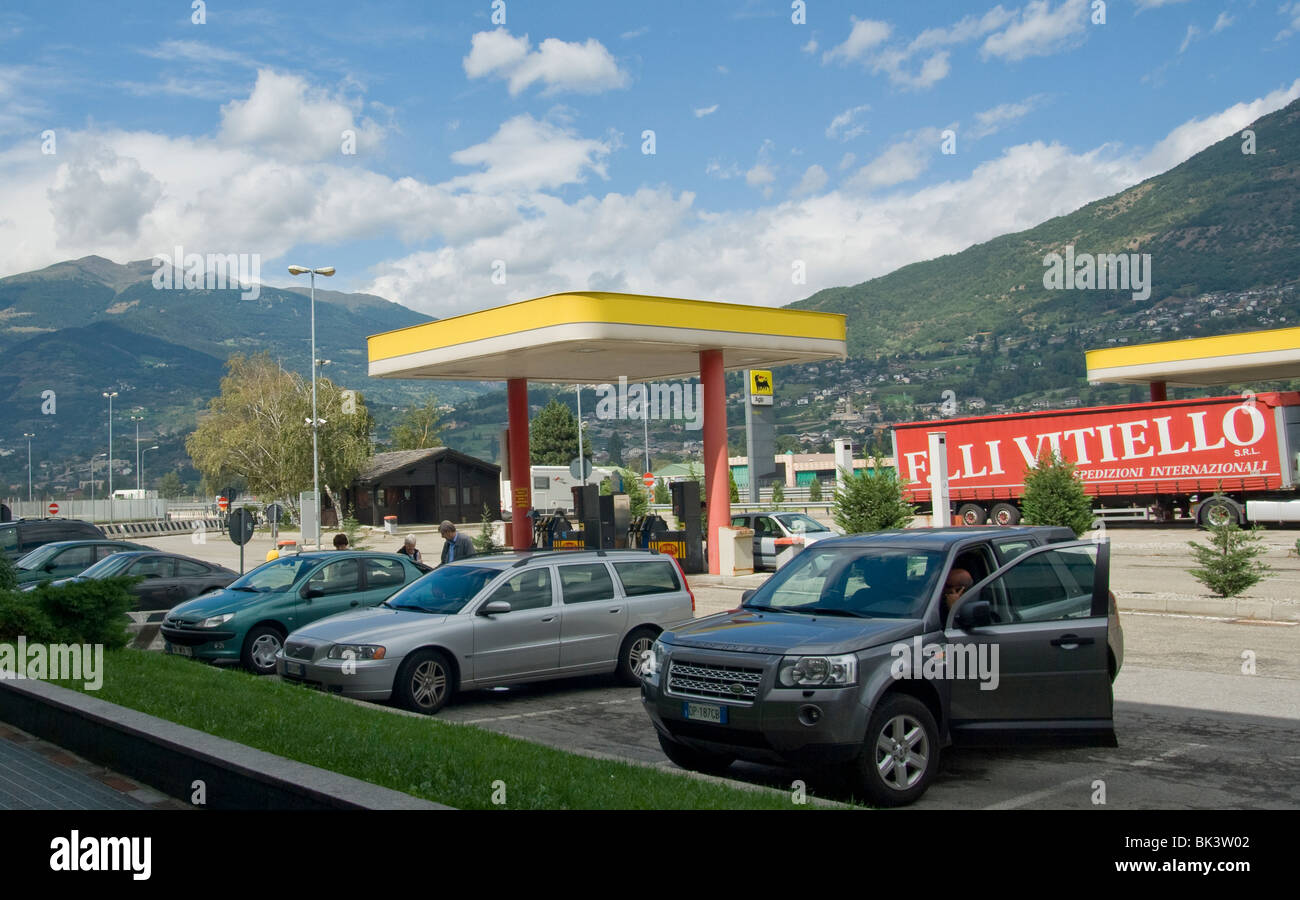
1158 392
716 483
521 476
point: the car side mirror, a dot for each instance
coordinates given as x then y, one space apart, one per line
50 567
312 593
494 607
974 614
744 598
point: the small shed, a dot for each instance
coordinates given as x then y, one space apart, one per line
426 487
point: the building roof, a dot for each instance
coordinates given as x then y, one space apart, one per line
1201 362
381 465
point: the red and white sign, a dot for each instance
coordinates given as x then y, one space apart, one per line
1176 446
54 509
223 504
649 479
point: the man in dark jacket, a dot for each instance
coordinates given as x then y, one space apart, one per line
455 546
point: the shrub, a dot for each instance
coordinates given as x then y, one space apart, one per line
357 539
20 616
815 491
732 487
9 578
1054 495
84 612
1228 565
778 493
871 500
484 543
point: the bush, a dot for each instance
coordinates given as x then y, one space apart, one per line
871 500
484 543
357 539
9 578
778 493
80 612
1054 495
815 491
662 494
1228 565
20 616
732 488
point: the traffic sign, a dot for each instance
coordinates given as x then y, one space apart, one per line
223 504
580 468
240 526
54 509
649 479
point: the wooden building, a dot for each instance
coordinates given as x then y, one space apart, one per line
424 487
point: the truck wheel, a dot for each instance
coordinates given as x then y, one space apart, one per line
972 514
901 753
694 760
1005 514
1219 511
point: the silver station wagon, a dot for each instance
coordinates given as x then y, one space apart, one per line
495 620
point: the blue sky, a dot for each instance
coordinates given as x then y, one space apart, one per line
484 147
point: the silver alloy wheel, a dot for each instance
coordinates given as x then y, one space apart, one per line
638 654
264 649
902 752
429 683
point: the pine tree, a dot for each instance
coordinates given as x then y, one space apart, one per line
637 503
553 436
1054 495
732 487
1228 565
484 543
662 494
871 500
815 491
778 493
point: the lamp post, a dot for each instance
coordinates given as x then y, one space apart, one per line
326 271
110 395
137 420
92 484
29 464
142 453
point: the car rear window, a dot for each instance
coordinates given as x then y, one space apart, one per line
187 569
650 577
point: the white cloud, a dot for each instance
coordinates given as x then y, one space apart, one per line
760 174
847 160
898 163
1039 30
527 154
635 33
1223 21
1292 12
1156 4
990 121
724 171
968 29
865 36
586 68
287 118
813 180
1195 135
1192 33
703 111
848 124
810 47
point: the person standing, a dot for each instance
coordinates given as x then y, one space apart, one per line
408 549
455 546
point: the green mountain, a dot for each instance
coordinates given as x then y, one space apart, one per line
1223 221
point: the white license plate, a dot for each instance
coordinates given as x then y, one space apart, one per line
179 650
705 712
296 669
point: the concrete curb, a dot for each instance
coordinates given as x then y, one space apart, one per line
171 757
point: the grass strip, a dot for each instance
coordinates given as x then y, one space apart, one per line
439 761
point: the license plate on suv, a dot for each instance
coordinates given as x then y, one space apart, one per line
705 712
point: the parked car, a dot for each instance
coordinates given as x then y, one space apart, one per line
21 536
63 559
778 536
247 621
166 578
832 662
495 620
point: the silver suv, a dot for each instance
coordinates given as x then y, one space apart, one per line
494 620
873 652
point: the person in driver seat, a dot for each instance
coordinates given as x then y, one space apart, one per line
958 582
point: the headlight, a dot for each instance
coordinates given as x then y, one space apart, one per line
814 671
655 661
356 651
216 620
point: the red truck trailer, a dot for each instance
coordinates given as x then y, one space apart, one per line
1152 461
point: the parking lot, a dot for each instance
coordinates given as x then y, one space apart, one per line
1194 730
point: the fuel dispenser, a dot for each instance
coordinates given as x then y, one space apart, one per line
596 514
642 529
548 527
687 543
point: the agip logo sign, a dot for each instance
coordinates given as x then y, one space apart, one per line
760 387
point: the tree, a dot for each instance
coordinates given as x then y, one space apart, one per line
637 502
170 486
418 428
732 487
662 494
1228 565
614 447
871 500
815 491
1054 495
553 436
778 492
484 543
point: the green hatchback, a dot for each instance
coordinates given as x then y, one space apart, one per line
65 559
246 623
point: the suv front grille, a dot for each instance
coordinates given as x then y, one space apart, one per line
735 684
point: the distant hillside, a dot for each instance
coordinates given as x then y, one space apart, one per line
1221 221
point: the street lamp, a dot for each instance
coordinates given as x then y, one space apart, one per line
142 453
92 484
137 420
29 464
325 271
110 396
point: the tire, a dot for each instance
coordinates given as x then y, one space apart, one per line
1004 514
901 752
425 682
637 643
1218 511
694 760
972 514
260 646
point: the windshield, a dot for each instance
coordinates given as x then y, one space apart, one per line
444 591
38 557
798 523
876 582
275 576
109 566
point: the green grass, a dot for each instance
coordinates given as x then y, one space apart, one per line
435 760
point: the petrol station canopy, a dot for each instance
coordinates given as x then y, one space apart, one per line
586 337
1199 362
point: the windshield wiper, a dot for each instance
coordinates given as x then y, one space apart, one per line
826 611
244 587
